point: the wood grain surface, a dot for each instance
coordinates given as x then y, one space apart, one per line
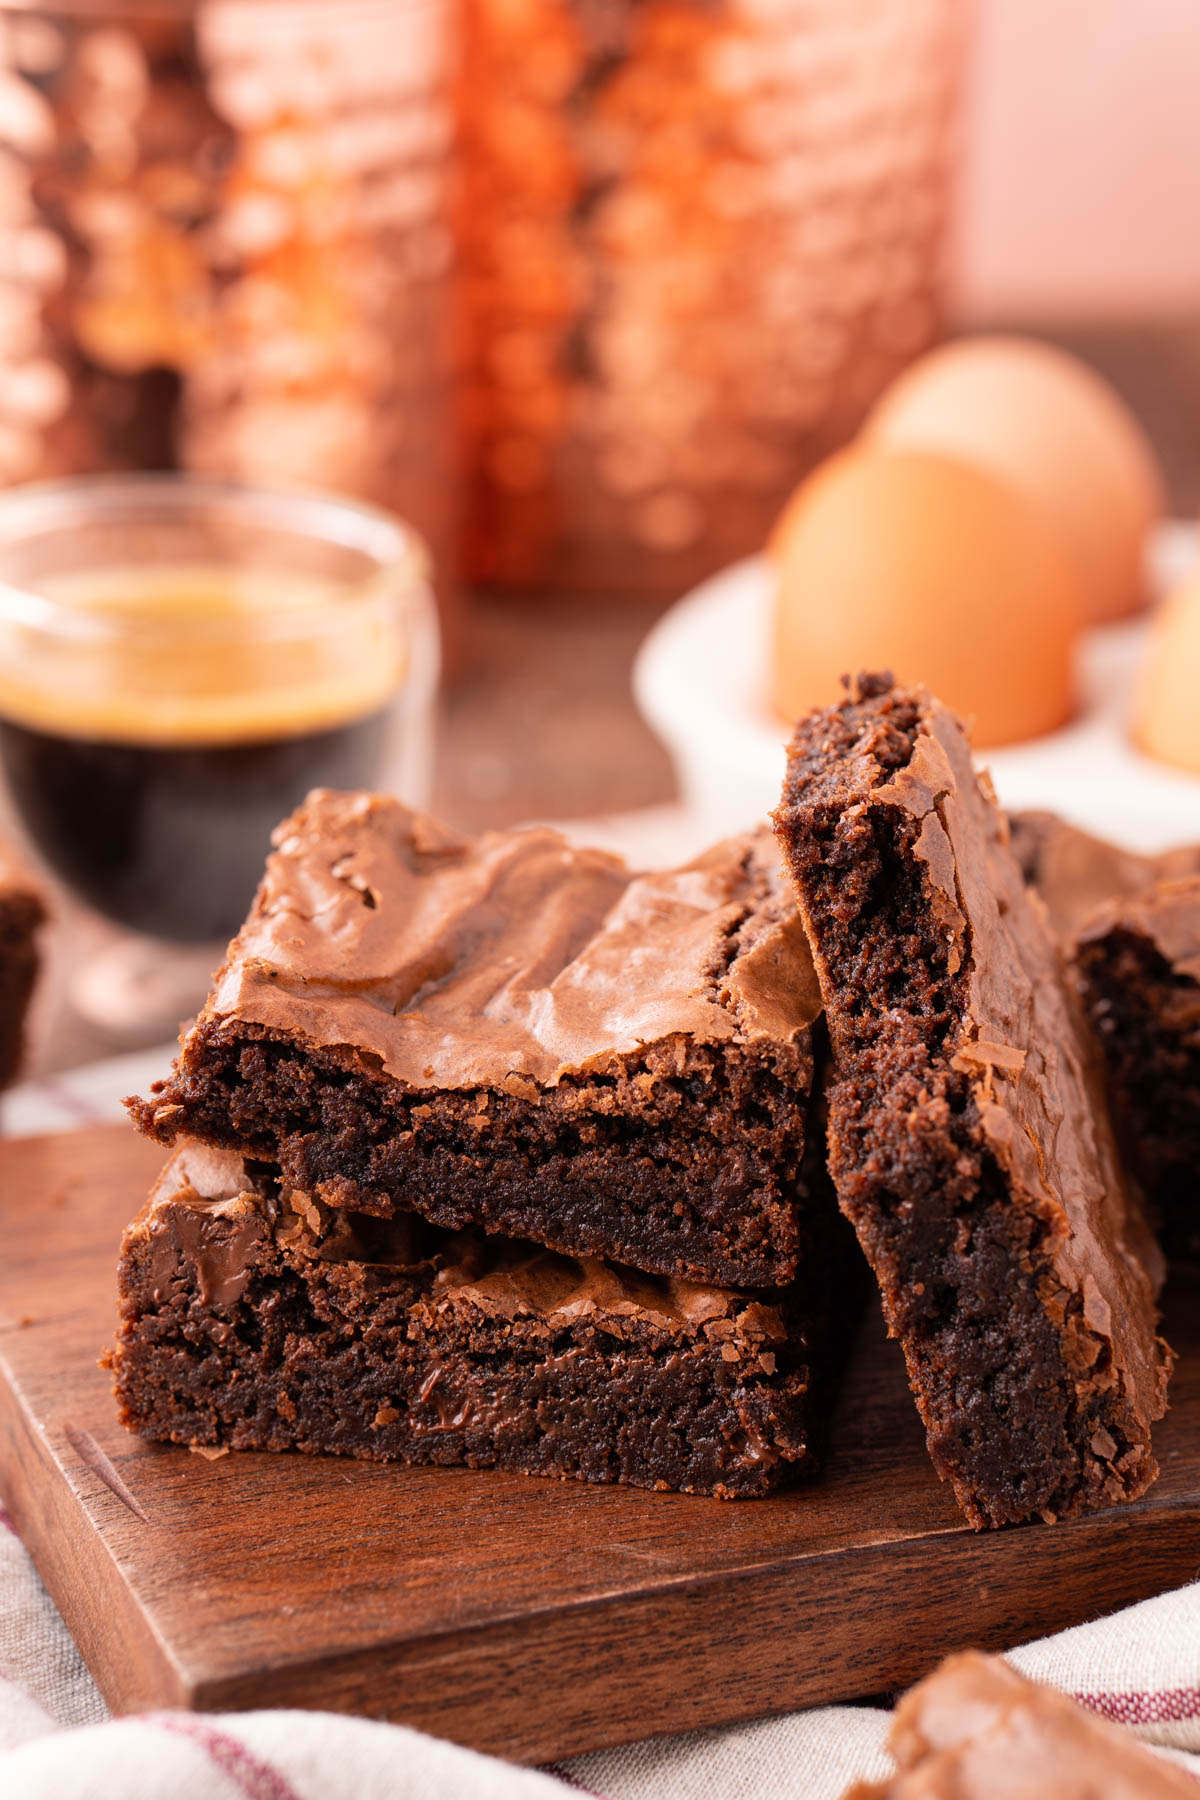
524 1617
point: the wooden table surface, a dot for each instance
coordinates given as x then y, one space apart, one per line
540 722
531 1618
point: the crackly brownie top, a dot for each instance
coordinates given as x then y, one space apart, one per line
1167 917
509 959
1076 873
1015 1033
204 1209
977 1730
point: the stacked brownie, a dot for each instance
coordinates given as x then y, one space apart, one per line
505 1164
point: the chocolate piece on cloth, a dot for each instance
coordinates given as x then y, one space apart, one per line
976 1730
969 1139
263 1320
1138 962
512 1033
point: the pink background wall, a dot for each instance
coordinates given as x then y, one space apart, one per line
1081 165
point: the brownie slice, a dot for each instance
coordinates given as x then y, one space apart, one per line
21 913
1139 965
1130 926
266 1321
976 1730
969 1141
511 1033
1075 873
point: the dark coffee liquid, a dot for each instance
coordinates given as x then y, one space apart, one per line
170 839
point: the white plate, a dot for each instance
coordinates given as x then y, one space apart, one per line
700 681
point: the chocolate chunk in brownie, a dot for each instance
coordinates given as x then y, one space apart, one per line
969 1140
1139 966
977 1730
264 1320
1075 873
515 1034
21 913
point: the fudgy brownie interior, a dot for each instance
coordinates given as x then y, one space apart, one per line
684 1160
1139 962
968 1141
258 1319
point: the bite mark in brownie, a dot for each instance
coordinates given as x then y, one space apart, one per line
969 1141
264 1320
512 1033
1139 966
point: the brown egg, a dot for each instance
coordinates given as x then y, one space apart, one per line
930 567
1046 422
1166 717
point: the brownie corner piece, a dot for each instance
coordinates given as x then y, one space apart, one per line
262 1320
517 1034
969 1139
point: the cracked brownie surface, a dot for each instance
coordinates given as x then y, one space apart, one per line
969 1140
257 1318
517 1034
1075 873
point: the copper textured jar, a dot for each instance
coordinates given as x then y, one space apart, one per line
700 236
225 243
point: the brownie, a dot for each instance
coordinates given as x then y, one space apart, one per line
1130 926
21 913
1075 873
1139 966
969 1141
515 1034
263 1320
977 1730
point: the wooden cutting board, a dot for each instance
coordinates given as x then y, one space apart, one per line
524 1617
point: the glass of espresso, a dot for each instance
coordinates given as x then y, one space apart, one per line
180 661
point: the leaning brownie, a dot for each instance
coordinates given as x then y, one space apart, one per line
1139 966
968 1139
263 1321
512 1033
21 913
976 1730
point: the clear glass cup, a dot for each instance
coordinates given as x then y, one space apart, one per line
227 230
180 661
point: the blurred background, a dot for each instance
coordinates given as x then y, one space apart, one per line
579 289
